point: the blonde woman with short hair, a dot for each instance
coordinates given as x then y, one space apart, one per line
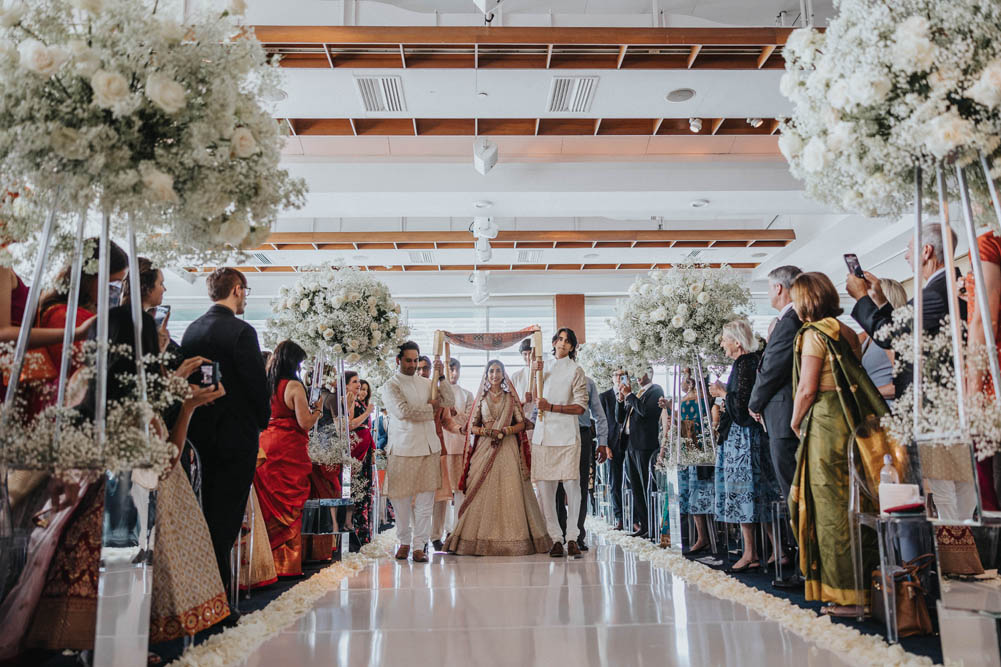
745 478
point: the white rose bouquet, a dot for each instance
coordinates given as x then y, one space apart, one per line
891 85
678 314
107 105
346 313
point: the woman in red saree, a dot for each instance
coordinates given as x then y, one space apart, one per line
500 515
282 479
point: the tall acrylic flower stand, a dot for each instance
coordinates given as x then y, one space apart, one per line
125 570
966 535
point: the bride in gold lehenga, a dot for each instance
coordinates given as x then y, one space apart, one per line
500 515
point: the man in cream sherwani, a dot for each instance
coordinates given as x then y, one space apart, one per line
556 440
449 500
413 471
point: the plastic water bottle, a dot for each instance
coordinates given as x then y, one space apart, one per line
888 474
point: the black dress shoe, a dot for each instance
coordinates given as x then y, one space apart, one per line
640 533
436 544
583 547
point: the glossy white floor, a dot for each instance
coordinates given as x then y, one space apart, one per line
606 609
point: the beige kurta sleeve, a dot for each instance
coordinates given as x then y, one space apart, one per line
445 394
579 386
399 408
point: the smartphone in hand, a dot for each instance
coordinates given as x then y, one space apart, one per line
851 260
160 315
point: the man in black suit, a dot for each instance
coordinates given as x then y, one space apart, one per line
639 416
771 399
872 311
615 451
226 432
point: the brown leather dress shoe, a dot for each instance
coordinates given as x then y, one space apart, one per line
403 552
419 556
557 550
573 551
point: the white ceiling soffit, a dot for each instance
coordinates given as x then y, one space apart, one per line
453 93
563 13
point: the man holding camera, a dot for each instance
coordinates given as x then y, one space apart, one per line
225 433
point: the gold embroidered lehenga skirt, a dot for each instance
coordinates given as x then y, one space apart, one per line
500 516
188 595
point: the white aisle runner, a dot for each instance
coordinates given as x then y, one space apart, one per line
609 608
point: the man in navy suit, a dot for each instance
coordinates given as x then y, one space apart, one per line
225 433
872 311
615 452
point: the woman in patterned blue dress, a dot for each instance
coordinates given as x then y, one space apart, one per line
745 479
699 484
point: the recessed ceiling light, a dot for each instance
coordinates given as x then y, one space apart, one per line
592 255
760 254
699 203
483 93
359 258
680 95
483 203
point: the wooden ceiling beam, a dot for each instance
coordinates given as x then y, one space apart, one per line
472 127
693 53
766 53
471 35
602 238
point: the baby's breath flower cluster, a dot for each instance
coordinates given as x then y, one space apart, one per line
940 405
123 110
678 314
65 438
887 86
344 312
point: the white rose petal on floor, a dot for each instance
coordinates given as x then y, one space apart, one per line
850 644
236 644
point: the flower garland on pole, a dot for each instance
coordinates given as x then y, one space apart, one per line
890 86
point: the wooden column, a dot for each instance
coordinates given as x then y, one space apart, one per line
570 313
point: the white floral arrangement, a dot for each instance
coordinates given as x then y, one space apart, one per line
344 312
693 452
677 315
123 110
601 359
60 439
940 407
328 446
887 86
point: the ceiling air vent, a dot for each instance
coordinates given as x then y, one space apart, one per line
572 94
262 258
381 93
422 257
529 256
693 255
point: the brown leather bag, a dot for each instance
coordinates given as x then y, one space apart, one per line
912 609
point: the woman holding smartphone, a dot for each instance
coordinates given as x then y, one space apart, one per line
151 291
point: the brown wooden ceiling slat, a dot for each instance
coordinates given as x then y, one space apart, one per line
604 238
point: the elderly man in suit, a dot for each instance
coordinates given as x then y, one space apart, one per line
872 311
638 413
771 398
226 432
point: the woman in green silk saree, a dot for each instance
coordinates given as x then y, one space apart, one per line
833 398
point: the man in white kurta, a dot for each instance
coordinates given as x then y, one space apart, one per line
413 470
448 501
556 440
